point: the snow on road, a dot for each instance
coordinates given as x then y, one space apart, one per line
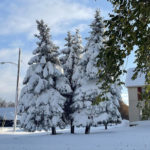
121 137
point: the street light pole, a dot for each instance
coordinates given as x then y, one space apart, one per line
17 86
17 90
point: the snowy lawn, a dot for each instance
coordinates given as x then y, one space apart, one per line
120 137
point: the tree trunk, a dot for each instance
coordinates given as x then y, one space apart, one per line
53 131
87 130
72 129
105 126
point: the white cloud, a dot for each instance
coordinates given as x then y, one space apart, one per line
81 27
59 43
58 14
8 54
17 43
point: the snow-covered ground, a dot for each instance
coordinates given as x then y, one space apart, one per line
120 137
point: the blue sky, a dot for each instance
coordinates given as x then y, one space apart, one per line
18 26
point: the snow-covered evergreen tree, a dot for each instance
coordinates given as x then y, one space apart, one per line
41 102
71 56
107 111
66 51
86 76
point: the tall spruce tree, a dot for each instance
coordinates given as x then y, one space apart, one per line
66 51
41 102
63 58
71 56
86 111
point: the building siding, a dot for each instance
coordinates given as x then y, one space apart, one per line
134 112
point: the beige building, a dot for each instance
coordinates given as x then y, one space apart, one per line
135 88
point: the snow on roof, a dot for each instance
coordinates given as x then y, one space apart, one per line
7 113
138 82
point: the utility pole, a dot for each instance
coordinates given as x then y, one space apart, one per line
17 85
17 90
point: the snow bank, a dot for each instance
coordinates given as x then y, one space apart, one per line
115 138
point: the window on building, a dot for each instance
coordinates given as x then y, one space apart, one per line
139 92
